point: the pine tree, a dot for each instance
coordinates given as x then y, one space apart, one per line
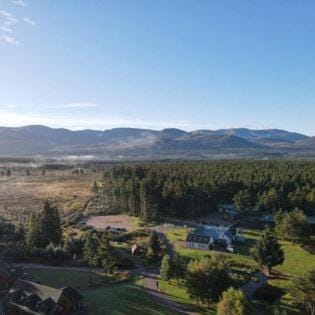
166 268
91 249
242 200
292 226
178 268
234 302
267 251
34 235
51 226
154 243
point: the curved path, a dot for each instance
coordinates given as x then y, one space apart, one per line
149 278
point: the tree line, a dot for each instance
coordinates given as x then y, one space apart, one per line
189 189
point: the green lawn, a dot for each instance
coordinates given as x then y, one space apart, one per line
177 292
120 299
60 278
114 299
297 261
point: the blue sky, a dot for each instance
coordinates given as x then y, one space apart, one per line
189 64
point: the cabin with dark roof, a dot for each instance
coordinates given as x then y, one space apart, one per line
27 297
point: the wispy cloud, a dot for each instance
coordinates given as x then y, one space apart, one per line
29 21
9 20
78 105
20 3
5 29
9 40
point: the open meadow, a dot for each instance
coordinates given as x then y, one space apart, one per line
24 193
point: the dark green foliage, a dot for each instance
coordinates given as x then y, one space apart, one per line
234 302
166 268
73 247
91 250
154 246
267 251
34 235
242 200
207 278
303 292
190 189
178 266
292 226
44 228
269 201
51 227
20 233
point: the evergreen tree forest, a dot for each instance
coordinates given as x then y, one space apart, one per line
191 189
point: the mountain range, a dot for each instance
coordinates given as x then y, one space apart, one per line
147 144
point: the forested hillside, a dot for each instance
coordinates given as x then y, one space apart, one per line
178 189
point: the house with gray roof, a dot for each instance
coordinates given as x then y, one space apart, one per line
27 297
207 235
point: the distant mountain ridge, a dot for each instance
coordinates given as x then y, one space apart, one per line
134 143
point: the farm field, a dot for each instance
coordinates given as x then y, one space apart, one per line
21 194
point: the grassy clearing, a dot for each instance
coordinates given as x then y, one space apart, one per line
127 298
60 278
178 293
297 261
117 299
20 195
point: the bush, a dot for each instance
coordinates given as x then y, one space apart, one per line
14 253
121 261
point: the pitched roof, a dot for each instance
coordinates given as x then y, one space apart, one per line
194 238
72 293
38 297
43 291
214 231
5 270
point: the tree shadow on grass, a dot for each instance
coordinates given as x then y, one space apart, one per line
128 298
244 248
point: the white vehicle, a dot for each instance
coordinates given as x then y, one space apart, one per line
230 249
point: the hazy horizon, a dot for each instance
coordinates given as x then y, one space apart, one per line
154 129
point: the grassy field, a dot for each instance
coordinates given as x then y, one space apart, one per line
58 278
127 298
297 261
177 292
21 195
114 299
